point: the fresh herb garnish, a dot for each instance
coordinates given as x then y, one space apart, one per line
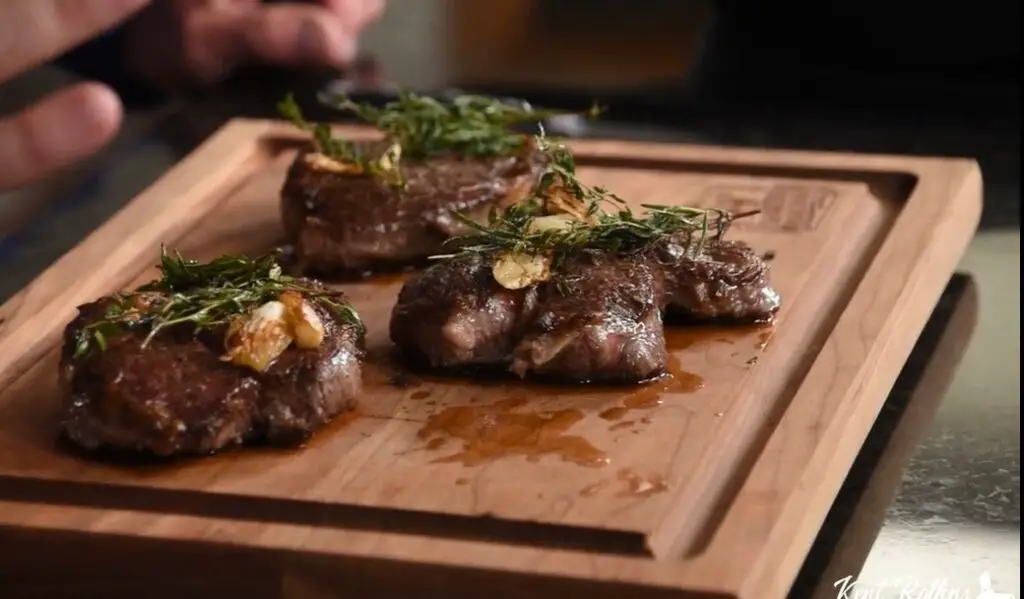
200 295
419 127
384 164
322 136
470 125
620 231
603 220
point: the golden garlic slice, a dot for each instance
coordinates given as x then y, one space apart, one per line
559 200
554 222
258 338
513 270
323 162
306 327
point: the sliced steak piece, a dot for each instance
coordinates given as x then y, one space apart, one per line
177 396
728 282
598 320
342 225
454 315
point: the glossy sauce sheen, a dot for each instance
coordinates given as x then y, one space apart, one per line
480 431
501 429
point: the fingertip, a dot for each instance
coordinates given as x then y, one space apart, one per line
102 112
77 122
337 45
300 35
356 14
372 11
63 128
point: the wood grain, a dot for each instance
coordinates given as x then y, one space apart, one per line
718 484
944 341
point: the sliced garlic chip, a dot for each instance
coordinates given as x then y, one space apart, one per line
258 338
513 270
559 200
554 222
305 323
389 158
322 162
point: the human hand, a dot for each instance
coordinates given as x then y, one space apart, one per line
181 43
72 123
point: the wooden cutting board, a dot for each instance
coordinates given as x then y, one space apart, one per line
713 483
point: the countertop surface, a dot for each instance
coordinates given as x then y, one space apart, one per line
955 518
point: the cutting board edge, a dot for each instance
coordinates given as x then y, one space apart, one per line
922 167
291 563
802 511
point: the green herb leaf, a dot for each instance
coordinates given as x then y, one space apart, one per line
470 125
82 345
201 295
325 140
608 224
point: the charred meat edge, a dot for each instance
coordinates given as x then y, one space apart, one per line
177 397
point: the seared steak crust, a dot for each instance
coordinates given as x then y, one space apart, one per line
730 282
454 314
175 396
342 225
599 319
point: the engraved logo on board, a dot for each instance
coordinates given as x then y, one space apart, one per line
785 208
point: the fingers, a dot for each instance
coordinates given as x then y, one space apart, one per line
60 130
220 37
35 31
300 35
356 14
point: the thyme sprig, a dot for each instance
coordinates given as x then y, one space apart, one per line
322 135
202 296
469 125
619 231
608 222
383 163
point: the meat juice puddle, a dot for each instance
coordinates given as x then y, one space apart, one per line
482 431
676 379
500 429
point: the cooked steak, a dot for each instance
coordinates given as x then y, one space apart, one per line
188 391
728 282
342 224
570 284
454 314
597 320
